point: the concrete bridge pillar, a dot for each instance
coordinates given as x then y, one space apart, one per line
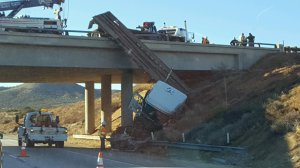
89 108
106 97
126 94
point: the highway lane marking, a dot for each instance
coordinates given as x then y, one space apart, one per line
135 165
15 157
21 160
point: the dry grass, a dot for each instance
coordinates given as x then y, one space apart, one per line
82 143
284 112
142 87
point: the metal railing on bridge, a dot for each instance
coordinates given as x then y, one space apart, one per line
247 44
66 32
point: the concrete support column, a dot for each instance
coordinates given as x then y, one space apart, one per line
106 97
126 94
89 108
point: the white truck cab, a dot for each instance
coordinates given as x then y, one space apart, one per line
41 127
175 33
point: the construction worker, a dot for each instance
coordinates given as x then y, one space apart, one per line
102 134
243 40
205 40
57 13
234 42
250 39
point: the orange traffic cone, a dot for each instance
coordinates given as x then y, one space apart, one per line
100 160
23 150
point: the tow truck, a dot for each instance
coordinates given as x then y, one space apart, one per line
41 127
27 23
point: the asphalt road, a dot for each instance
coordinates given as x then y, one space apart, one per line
45 157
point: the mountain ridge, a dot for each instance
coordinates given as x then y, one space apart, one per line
41 95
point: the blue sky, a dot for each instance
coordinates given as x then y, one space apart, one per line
270 21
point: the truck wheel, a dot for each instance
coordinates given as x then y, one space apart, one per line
56 144
62 144
50 144
29 143
59 144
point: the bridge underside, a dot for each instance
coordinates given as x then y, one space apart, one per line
65 75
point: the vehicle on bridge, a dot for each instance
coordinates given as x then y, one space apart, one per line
148 31
27 23
41 127
166 33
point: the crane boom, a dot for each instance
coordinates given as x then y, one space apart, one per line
16 6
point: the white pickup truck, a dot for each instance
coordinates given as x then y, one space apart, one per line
41 127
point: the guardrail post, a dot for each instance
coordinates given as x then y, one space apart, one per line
152 136
228 138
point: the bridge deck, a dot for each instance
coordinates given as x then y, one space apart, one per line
26 57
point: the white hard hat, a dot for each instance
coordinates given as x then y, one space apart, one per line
103 123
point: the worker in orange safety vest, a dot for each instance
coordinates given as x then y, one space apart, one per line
102 134
205 40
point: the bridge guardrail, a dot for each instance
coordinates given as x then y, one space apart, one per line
39 30
257 44
66 33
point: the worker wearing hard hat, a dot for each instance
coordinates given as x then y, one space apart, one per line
102 134
205 40
57 13
243 40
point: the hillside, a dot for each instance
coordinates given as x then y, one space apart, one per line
41 95
261 112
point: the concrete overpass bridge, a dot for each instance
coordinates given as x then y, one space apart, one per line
40 58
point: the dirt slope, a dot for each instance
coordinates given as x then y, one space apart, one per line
259 108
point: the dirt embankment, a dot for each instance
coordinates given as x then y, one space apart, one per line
259 108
